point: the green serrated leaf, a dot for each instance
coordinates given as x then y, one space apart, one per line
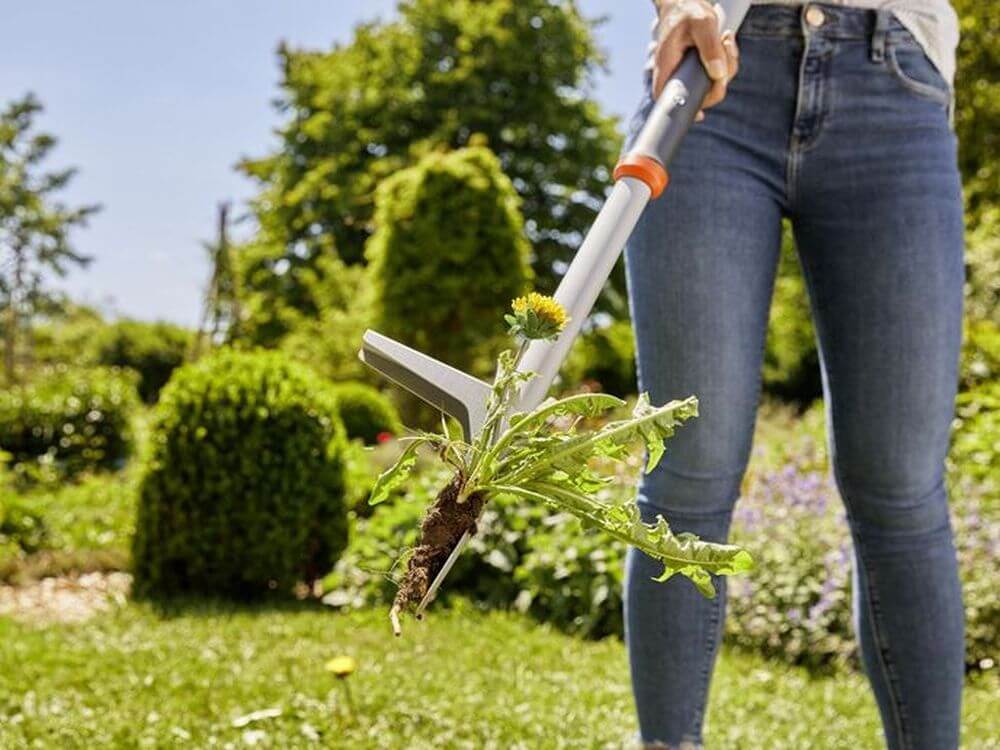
683 553
646 422
396 474
654 447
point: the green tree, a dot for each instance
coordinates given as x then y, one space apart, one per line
67 336
517 72
280 295
34 225
448 255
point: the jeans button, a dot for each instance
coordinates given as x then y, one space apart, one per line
815 16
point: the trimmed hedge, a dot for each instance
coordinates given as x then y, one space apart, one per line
154 350
68 421
244 489
367 414
22 529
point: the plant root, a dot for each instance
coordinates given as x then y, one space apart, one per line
446 521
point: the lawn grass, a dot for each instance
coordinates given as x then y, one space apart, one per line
461 679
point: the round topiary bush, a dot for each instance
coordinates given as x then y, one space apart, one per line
67 421
366 413
244 487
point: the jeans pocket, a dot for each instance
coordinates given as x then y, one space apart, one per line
918 75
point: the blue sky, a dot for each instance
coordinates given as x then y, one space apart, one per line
155 101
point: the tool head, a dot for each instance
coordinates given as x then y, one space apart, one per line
442 386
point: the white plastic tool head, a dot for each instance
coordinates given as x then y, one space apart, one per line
442 386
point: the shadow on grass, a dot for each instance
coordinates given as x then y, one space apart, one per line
198 605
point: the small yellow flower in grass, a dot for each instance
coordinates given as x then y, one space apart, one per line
341 666
536 316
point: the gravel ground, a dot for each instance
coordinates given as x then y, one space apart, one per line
65 599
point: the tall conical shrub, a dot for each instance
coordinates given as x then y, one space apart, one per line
448 254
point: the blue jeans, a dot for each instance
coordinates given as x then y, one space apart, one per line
844 130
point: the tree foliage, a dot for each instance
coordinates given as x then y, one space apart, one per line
448 254
281 296
330 343
67 335
517 72
34 225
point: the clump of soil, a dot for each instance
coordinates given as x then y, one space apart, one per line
446 521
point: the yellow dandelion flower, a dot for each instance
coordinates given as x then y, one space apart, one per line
536 316
341 666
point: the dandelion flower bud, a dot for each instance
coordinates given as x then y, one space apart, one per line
536 316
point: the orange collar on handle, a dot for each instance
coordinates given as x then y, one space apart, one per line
644 168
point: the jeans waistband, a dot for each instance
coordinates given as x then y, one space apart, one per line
838 21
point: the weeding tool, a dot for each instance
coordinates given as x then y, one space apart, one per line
640 176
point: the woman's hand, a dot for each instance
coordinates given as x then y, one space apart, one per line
694 23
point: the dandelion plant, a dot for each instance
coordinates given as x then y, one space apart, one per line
545 456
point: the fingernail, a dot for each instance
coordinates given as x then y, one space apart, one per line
717 69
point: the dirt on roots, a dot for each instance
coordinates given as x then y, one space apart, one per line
446 521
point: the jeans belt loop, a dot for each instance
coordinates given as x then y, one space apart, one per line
882 21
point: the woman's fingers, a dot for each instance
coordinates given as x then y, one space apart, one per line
695 23
703 27
732 53
732 64
669 53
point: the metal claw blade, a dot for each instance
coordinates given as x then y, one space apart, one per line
439 578
452 391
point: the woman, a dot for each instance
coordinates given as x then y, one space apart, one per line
838 121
